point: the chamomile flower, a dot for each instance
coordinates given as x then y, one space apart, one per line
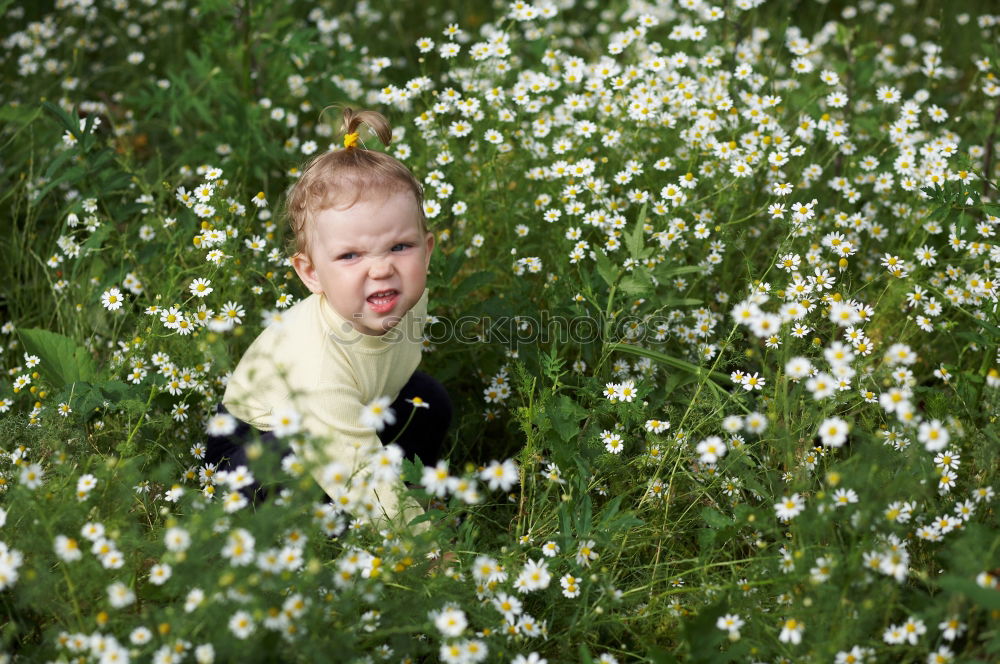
933 435
378 414
159 574
612 442
843 497
112 299
833 432
120 595
436 479
789 507
200 287
791 631
711 449
585 553
67 548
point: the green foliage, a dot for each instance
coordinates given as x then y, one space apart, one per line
64 362
633 460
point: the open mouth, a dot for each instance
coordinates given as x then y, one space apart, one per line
383 301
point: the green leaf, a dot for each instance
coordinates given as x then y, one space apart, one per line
657 655
678 379
586 516
472 283
566 530
715 518
611 510
939 213
613 520
69 176
985 597
18 116
446 266
706 539
665 271
64 118
552 364
85 397
637 283
116 390
972 337
114 181
541 419
422 517
679 302
565 415
413 471
605 268
844 34
635 240
63 362
990 327
58 163
701 634
670 361
494 307
98 237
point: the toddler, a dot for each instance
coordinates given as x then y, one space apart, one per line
362 248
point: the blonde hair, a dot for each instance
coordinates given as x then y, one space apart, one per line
340 177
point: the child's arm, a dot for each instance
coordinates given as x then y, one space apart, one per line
333 417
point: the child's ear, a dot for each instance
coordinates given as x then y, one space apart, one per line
430 249
307 271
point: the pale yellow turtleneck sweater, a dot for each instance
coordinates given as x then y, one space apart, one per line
316 363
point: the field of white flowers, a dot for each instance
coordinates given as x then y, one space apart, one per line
714 294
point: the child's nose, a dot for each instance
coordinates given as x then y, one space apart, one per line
381 268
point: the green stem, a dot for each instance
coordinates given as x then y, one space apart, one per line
135 429
413 411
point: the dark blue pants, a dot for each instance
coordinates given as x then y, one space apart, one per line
423 437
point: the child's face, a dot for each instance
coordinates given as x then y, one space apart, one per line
369 261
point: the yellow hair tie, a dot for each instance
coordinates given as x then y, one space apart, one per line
350 140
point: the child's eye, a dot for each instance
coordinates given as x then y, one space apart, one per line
401 246
346 256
